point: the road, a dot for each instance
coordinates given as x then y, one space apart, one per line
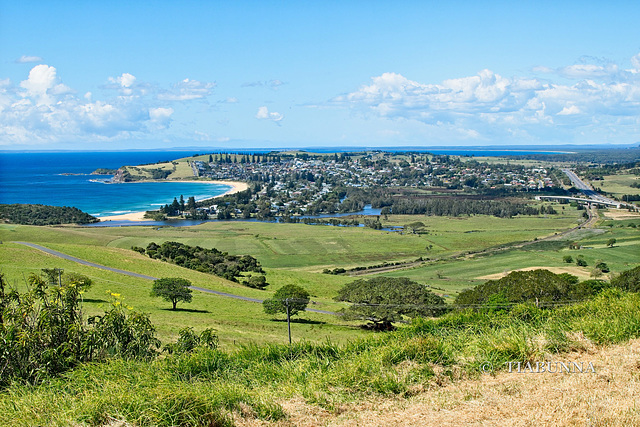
142 276
586 189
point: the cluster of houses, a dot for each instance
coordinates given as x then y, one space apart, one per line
297 185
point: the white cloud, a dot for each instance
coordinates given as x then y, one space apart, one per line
187 90
635 61
264 114
124 83
43 85
161 116
42 109
273 84
489 105
25 59
569 111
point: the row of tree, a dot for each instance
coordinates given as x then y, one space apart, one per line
212 261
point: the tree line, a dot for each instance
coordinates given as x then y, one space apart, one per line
205 260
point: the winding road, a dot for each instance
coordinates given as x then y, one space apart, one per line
142 276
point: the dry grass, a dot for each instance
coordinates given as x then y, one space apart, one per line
608 397
620 214
582 273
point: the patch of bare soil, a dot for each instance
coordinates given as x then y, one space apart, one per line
608 397
581 273
621 214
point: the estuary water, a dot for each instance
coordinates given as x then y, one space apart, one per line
63 179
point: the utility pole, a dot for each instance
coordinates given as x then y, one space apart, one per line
286 301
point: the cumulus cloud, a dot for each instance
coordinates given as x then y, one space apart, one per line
187 90
43 85
264 114
161 115
43 109
26 59
488 103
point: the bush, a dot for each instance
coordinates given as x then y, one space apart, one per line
628 280
189 340
43 333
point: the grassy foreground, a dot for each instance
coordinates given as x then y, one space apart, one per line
211 387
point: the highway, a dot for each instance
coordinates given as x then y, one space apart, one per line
586 189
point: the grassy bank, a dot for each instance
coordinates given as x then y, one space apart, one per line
208 387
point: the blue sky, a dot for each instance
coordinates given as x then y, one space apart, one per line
267 74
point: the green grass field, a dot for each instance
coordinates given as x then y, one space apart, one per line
297 254
618 185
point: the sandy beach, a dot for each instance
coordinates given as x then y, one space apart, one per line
236 186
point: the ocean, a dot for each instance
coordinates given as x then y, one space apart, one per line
63 179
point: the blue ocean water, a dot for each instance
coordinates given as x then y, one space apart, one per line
63 179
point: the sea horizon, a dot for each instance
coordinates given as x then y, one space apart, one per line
65 179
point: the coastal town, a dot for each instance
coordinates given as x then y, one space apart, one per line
292 184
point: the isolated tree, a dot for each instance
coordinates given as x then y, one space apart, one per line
173 289
384 300
611 242
568 259
294 296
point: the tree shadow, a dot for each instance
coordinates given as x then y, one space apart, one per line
186 310
92 300
302 321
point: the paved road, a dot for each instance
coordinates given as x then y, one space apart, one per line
586 189
142 276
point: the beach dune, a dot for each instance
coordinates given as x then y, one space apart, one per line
236 186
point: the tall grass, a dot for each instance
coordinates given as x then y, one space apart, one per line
207 386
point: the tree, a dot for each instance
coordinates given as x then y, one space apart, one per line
628 280
384 300
536 286
611 242
191 204
568 259
294 296
172 289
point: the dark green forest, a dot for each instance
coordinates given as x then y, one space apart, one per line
44 215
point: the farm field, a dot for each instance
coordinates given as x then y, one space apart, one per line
297 254
618 185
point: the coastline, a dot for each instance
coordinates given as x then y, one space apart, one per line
236 187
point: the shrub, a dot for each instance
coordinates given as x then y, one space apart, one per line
43 333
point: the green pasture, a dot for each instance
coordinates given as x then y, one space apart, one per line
618 185
297 254
452 276
236 321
